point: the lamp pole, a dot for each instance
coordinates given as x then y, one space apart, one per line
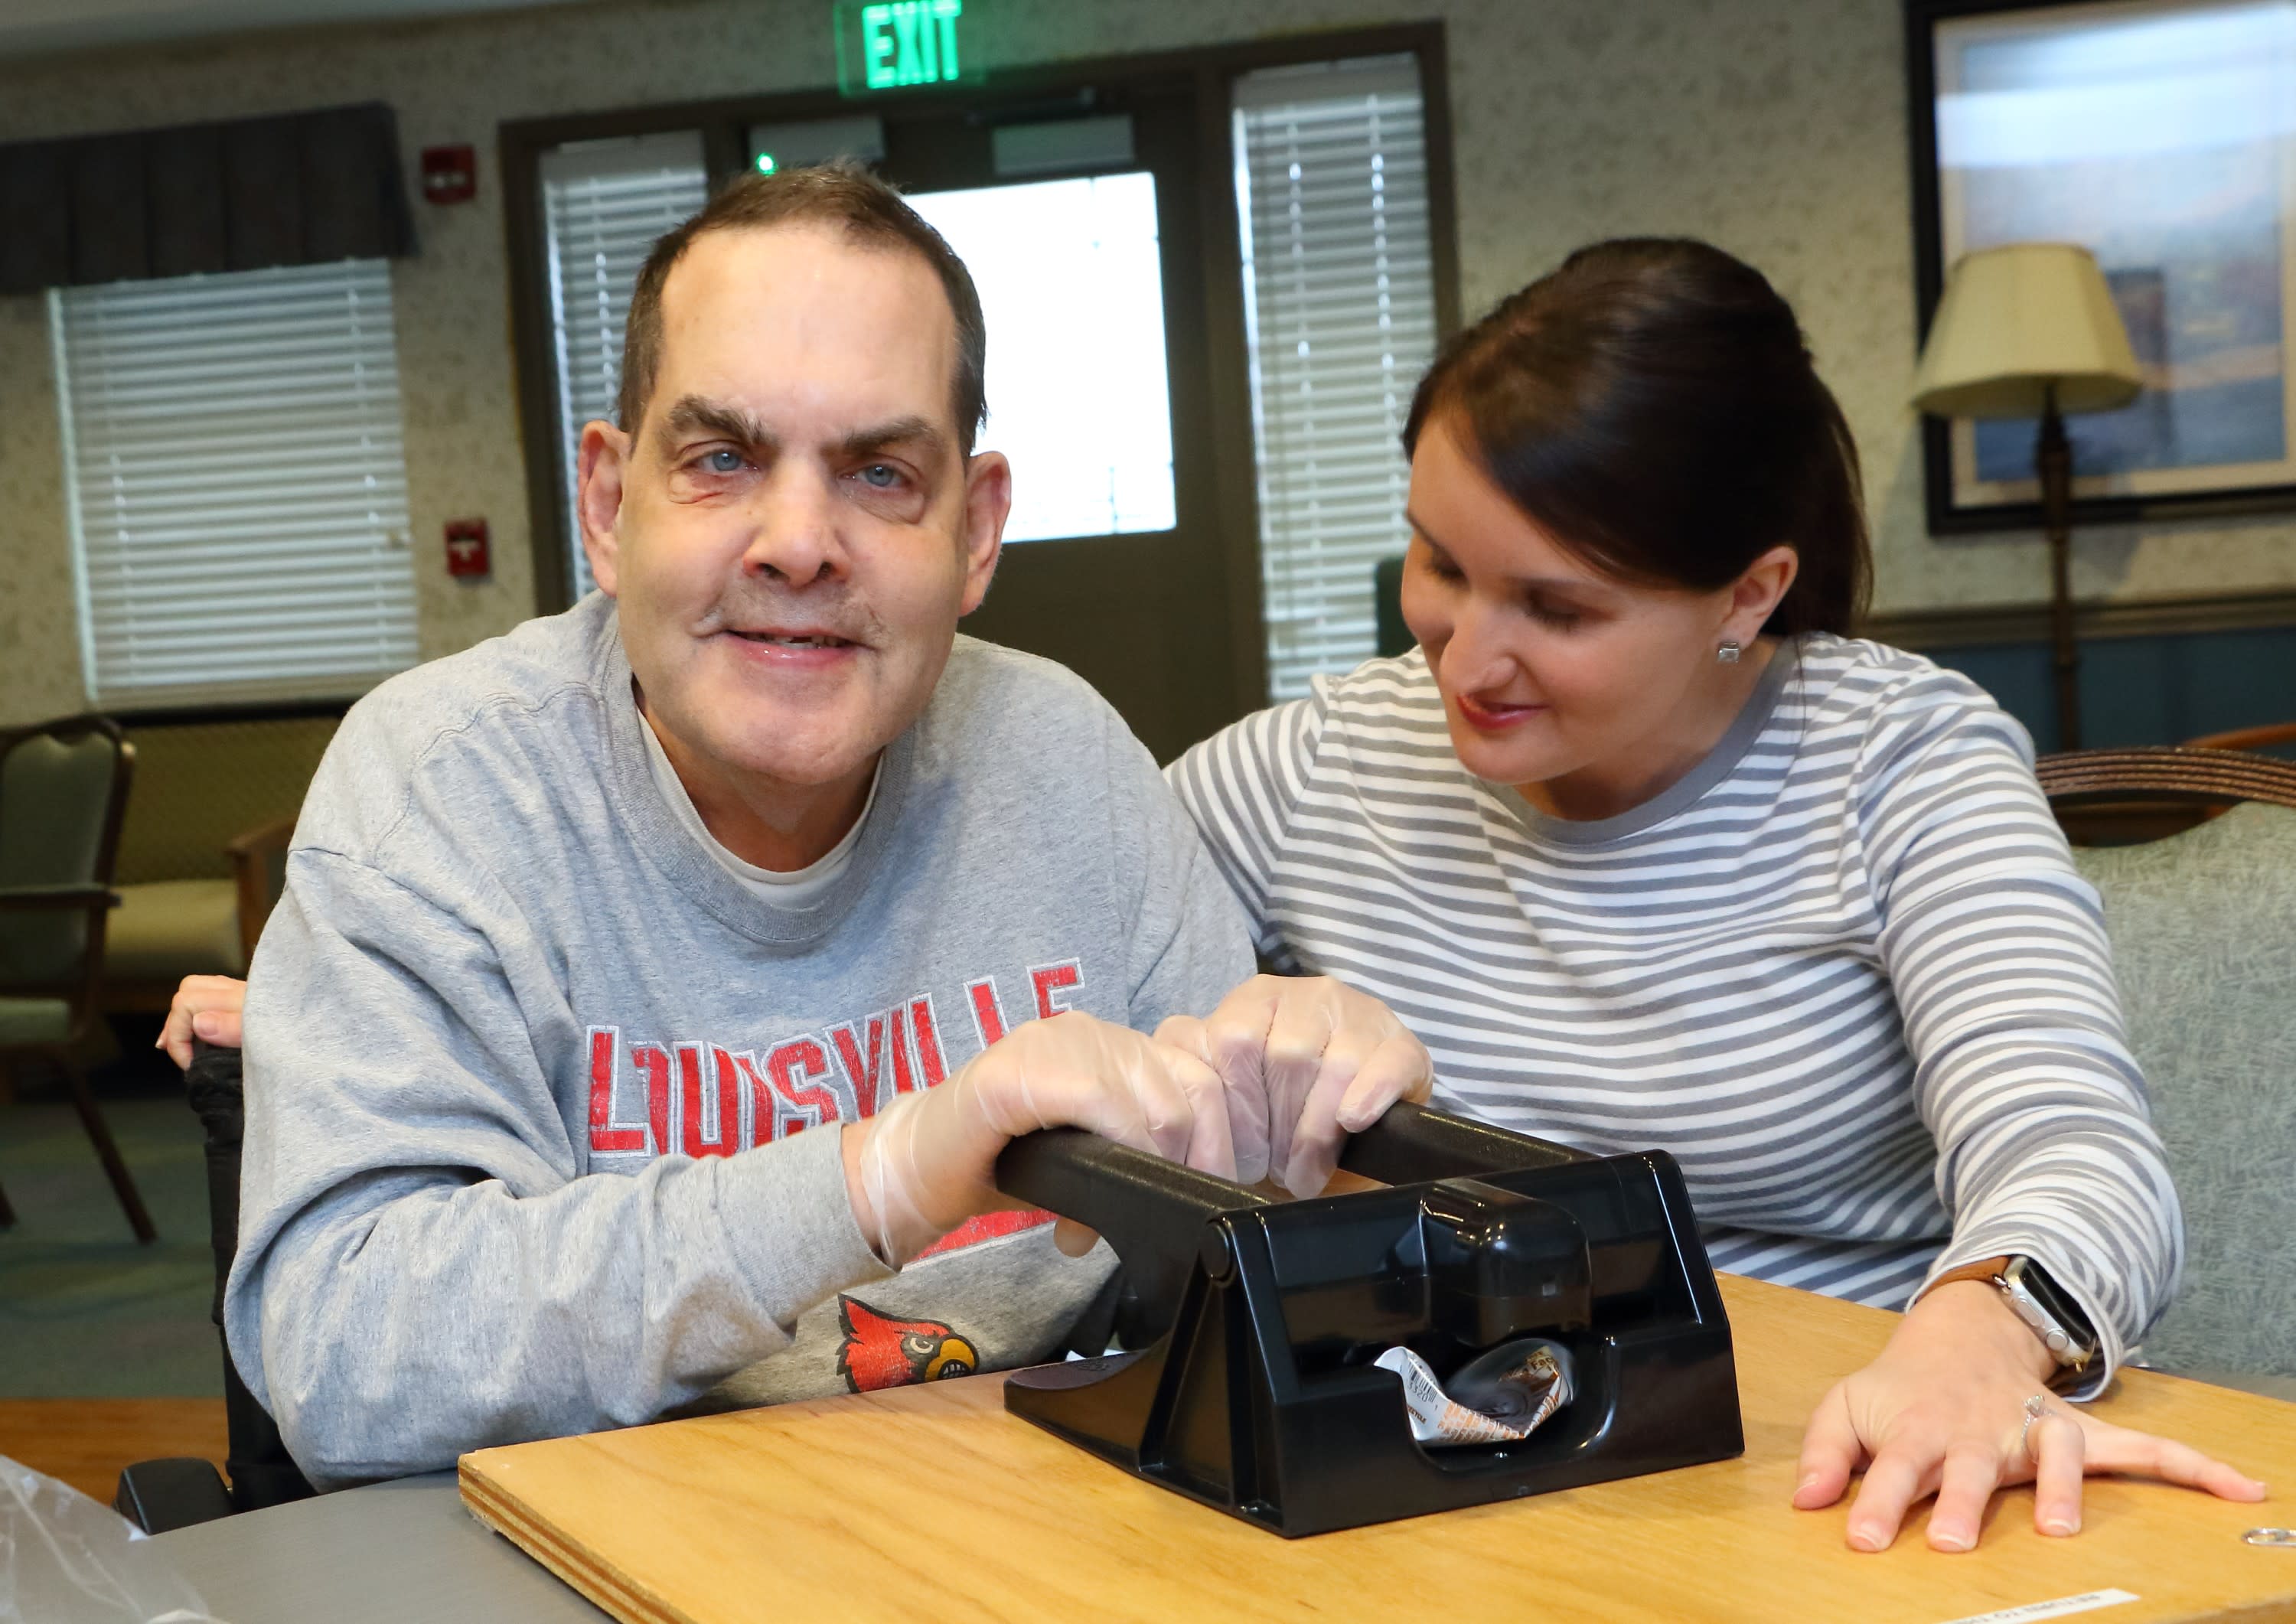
2053 460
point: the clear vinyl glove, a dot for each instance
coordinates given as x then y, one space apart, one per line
1305 1061
928 1163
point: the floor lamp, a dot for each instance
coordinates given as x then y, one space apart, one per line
2029 330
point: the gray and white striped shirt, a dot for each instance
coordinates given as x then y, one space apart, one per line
1844 970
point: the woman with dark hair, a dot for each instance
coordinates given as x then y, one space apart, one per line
1650 852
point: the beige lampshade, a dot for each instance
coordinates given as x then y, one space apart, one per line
2015 320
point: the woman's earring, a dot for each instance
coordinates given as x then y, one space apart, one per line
1727 654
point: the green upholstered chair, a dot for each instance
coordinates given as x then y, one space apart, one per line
63 790
1393 637
2203 928
203 852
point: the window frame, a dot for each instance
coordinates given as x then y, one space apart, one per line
1208 72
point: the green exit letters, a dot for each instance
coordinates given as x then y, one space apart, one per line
893 44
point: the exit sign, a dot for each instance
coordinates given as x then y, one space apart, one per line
898 45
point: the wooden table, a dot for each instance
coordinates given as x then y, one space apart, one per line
88 1442
931 1502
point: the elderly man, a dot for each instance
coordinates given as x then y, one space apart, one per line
654 986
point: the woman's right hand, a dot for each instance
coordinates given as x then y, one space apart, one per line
206 1008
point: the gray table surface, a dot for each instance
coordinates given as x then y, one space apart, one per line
390 1554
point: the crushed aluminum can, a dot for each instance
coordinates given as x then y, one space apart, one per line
1498 1397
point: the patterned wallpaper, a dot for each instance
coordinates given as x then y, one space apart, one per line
1774 128
40 648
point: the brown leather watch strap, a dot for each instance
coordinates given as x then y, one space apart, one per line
1987 1269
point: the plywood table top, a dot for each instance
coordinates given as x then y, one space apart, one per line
931 1502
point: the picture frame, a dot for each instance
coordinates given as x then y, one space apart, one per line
2161 135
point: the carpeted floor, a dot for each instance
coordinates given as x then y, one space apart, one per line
85 1312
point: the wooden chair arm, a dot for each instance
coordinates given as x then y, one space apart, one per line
273 836
58 899
2246 738
258 873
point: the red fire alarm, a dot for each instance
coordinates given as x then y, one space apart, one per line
466 547
450 174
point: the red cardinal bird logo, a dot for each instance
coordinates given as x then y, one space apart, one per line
881 1352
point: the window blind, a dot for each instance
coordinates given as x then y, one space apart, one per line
1339 306
236 484
604 204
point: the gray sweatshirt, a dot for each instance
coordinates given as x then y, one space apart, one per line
529 1074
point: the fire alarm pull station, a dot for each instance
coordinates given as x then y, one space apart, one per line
450 174
466 548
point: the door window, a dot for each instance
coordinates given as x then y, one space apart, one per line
604 203
1073 293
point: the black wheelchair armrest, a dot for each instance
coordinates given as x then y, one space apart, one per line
158 1496
178 1493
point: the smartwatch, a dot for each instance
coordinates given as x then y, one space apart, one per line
2054 1315
2045 1306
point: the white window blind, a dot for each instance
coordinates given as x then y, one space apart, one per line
1340 303
604 205
236 484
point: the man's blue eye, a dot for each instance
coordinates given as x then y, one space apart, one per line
722 462
880 476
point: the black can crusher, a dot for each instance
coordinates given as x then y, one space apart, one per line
1256 1321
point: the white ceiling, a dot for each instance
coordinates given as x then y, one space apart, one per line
29 27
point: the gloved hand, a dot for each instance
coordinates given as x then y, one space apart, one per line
1306 1062
927 1162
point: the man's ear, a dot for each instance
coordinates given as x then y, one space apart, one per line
605 459
988 503
1757 592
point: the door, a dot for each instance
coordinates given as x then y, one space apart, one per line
1078 224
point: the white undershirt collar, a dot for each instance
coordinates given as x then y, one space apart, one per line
798 889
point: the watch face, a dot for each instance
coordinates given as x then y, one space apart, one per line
2055 1318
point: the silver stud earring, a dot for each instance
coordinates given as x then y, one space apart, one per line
1727 654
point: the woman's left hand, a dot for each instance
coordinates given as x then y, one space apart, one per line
1306 1062
1942 1412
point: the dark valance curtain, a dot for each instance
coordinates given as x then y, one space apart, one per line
293 189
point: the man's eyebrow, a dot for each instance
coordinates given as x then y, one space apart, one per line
693 414
919 432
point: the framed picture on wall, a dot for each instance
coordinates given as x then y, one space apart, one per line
2161 135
